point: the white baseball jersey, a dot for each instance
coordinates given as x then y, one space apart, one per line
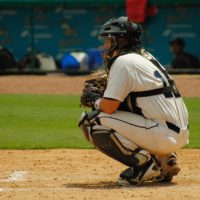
131 73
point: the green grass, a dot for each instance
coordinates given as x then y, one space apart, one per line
49 121
193 105
40 121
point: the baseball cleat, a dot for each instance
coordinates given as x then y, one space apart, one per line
168 171
138 175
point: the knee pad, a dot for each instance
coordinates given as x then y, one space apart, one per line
86 122
107 142
112 143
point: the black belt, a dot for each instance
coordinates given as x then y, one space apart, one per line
173 127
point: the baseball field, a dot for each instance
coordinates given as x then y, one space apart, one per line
45 156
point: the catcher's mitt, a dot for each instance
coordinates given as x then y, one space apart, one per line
94 88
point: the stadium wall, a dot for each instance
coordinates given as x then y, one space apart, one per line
58 26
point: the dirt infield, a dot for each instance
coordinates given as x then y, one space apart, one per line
86 175
61 84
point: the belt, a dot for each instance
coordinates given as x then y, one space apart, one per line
173 127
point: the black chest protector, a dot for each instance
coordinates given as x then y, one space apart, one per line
168 90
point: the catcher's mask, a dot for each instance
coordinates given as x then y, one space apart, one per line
109 47
119 35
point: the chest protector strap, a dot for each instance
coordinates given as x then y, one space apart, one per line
169 90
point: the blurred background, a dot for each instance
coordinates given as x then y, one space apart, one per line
43 36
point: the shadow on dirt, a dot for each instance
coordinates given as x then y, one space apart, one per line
113 185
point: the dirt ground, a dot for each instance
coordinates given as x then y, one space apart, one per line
84 174
61 84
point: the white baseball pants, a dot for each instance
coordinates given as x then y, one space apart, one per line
150 135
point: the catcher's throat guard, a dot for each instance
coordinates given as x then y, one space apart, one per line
107 141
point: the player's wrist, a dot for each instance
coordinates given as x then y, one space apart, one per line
97 104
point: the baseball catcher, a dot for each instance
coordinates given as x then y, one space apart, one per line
138 116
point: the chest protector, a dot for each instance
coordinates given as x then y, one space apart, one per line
168 90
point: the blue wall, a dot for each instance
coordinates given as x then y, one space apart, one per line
58 30
169 23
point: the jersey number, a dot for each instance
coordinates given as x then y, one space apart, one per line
168 94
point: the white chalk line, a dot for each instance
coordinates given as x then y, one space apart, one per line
68 177
15 176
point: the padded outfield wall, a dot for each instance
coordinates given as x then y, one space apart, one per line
58 26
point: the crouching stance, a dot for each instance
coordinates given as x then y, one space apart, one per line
138 117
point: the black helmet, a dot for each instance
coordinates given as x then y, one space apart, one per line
123 36
123 28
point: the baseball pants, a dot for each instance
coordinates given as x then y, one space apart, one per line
153 136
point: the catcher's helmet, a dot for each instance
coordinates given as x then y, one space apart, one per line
120 35
121 27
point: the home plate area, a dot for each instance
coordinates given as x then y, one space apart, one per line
86 174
